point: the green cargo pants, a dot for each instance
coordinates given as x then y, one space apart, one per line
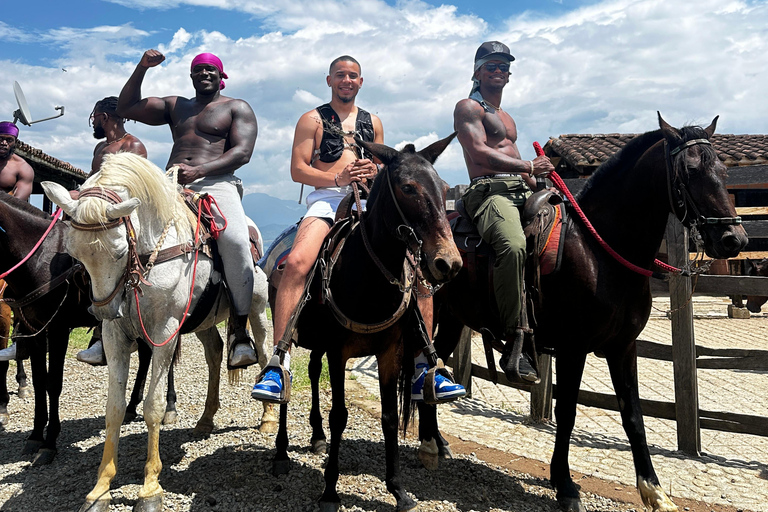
494 205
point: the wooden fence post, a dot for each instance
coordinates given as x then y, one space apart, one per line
462 370
683 343
541 393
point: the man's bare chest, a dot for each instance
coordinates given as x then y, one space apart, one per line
499 128
214 120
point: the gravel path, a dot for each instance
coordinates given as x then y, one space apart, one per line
231 469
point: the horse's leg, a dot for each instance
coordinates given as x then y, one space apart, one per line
213 345
570 368
151 493
281 464
117 350
37 359
57 348
317 443
337 421
259 328
623 367
4 396
145 356
389 371
21 379
170 417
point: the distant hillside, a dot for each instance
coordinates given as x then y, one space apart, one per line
271 214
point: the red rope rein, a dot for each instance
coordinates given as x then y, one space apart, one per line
56 216
560 184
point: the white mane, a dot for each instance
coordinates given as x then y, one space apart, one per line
140 178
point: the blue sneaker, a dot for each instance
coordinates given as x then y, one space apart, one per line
445 389
269 388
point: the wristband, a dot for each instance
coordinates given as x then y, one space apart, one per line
336 179
531 162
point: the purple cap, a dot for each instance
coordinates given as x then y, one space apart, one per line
8 128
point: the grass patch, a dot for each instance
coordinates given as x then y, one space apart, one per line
299 365
79 338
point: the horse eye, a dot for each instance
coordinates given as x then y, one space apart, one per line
408 189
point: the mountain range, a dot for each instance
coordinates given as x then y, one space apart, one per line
271 214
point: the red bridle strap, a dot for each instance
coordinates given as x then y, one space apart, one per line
56 216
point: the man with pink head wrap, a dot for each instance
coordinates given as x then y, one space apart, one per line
213 136
16 175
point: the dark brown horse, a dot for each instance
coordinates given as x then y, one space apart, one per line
48 319
595 303
405 210
755 302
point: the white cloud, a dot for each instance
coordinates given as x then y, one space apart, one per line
603 68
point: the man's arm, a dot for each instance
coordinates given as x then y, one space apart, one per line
131 105
25 177
468 122
136 147
241 138
301 155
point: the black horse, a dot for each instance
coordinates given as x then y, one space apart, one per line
406 211
52 300
594 303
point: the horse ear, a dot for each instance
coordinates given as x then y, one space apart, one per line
115 211
750 267
384 153
434 150
670 133
60 196
711 128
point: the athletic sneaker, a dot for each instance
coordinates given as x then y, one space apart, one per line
445 389
269 387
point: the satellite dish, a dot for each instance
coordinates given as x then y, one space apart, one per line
23 114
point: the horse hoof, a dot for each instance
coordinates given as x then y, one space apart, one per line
406 504
328 506
444 452
31 447
281 467
428 453
268 427
44 456
570 504
130 416
170 418
24 392
151 504
4 419
203 429
319 446
95 506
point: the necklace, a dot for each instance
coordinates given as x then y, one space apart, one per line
491 104
118 140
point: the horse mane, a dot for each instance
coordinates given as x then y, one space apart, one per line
24 206
141 179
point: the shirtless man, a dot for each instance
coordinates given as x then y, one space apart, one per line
106 124
324 156
16 178
213 136
500 182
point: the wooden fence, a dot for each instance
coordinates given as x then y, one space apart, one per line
747 186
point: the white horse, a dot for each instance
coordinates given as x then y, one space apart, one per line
101 240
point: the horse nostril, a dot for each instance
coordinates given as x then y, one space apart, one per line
733 243
442 266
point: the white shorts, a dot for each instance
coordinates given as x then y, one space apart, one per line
324 202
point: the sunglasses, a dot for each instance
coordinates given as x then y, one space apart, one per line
491 67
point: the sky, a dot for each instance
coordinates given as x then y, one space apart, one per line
581 66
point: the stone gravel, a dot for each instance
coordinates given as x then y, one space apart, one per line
230 470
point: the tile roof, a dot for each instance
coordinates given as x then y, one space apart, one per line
36 158
582 150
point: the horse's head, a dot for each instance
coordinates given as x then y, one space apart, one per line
107 220
412 193
697 192
755 302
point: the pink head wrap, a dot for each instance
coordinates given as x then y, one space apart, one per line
209 58
8 128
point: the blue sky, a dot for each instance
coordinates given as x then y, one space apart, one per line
582 66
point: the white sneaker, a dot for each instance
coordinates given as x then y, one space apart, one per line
94 355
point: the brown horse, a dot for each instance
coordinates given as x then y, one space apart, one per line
594 302
406 211
21 376
755 302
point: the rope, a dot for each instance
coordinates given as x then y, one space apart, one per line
560 184
56 216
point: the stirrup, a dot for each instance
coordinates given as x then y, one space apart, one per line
510 359
285 392
430 394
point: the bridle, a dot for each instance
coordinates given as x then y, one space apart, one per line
680 200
